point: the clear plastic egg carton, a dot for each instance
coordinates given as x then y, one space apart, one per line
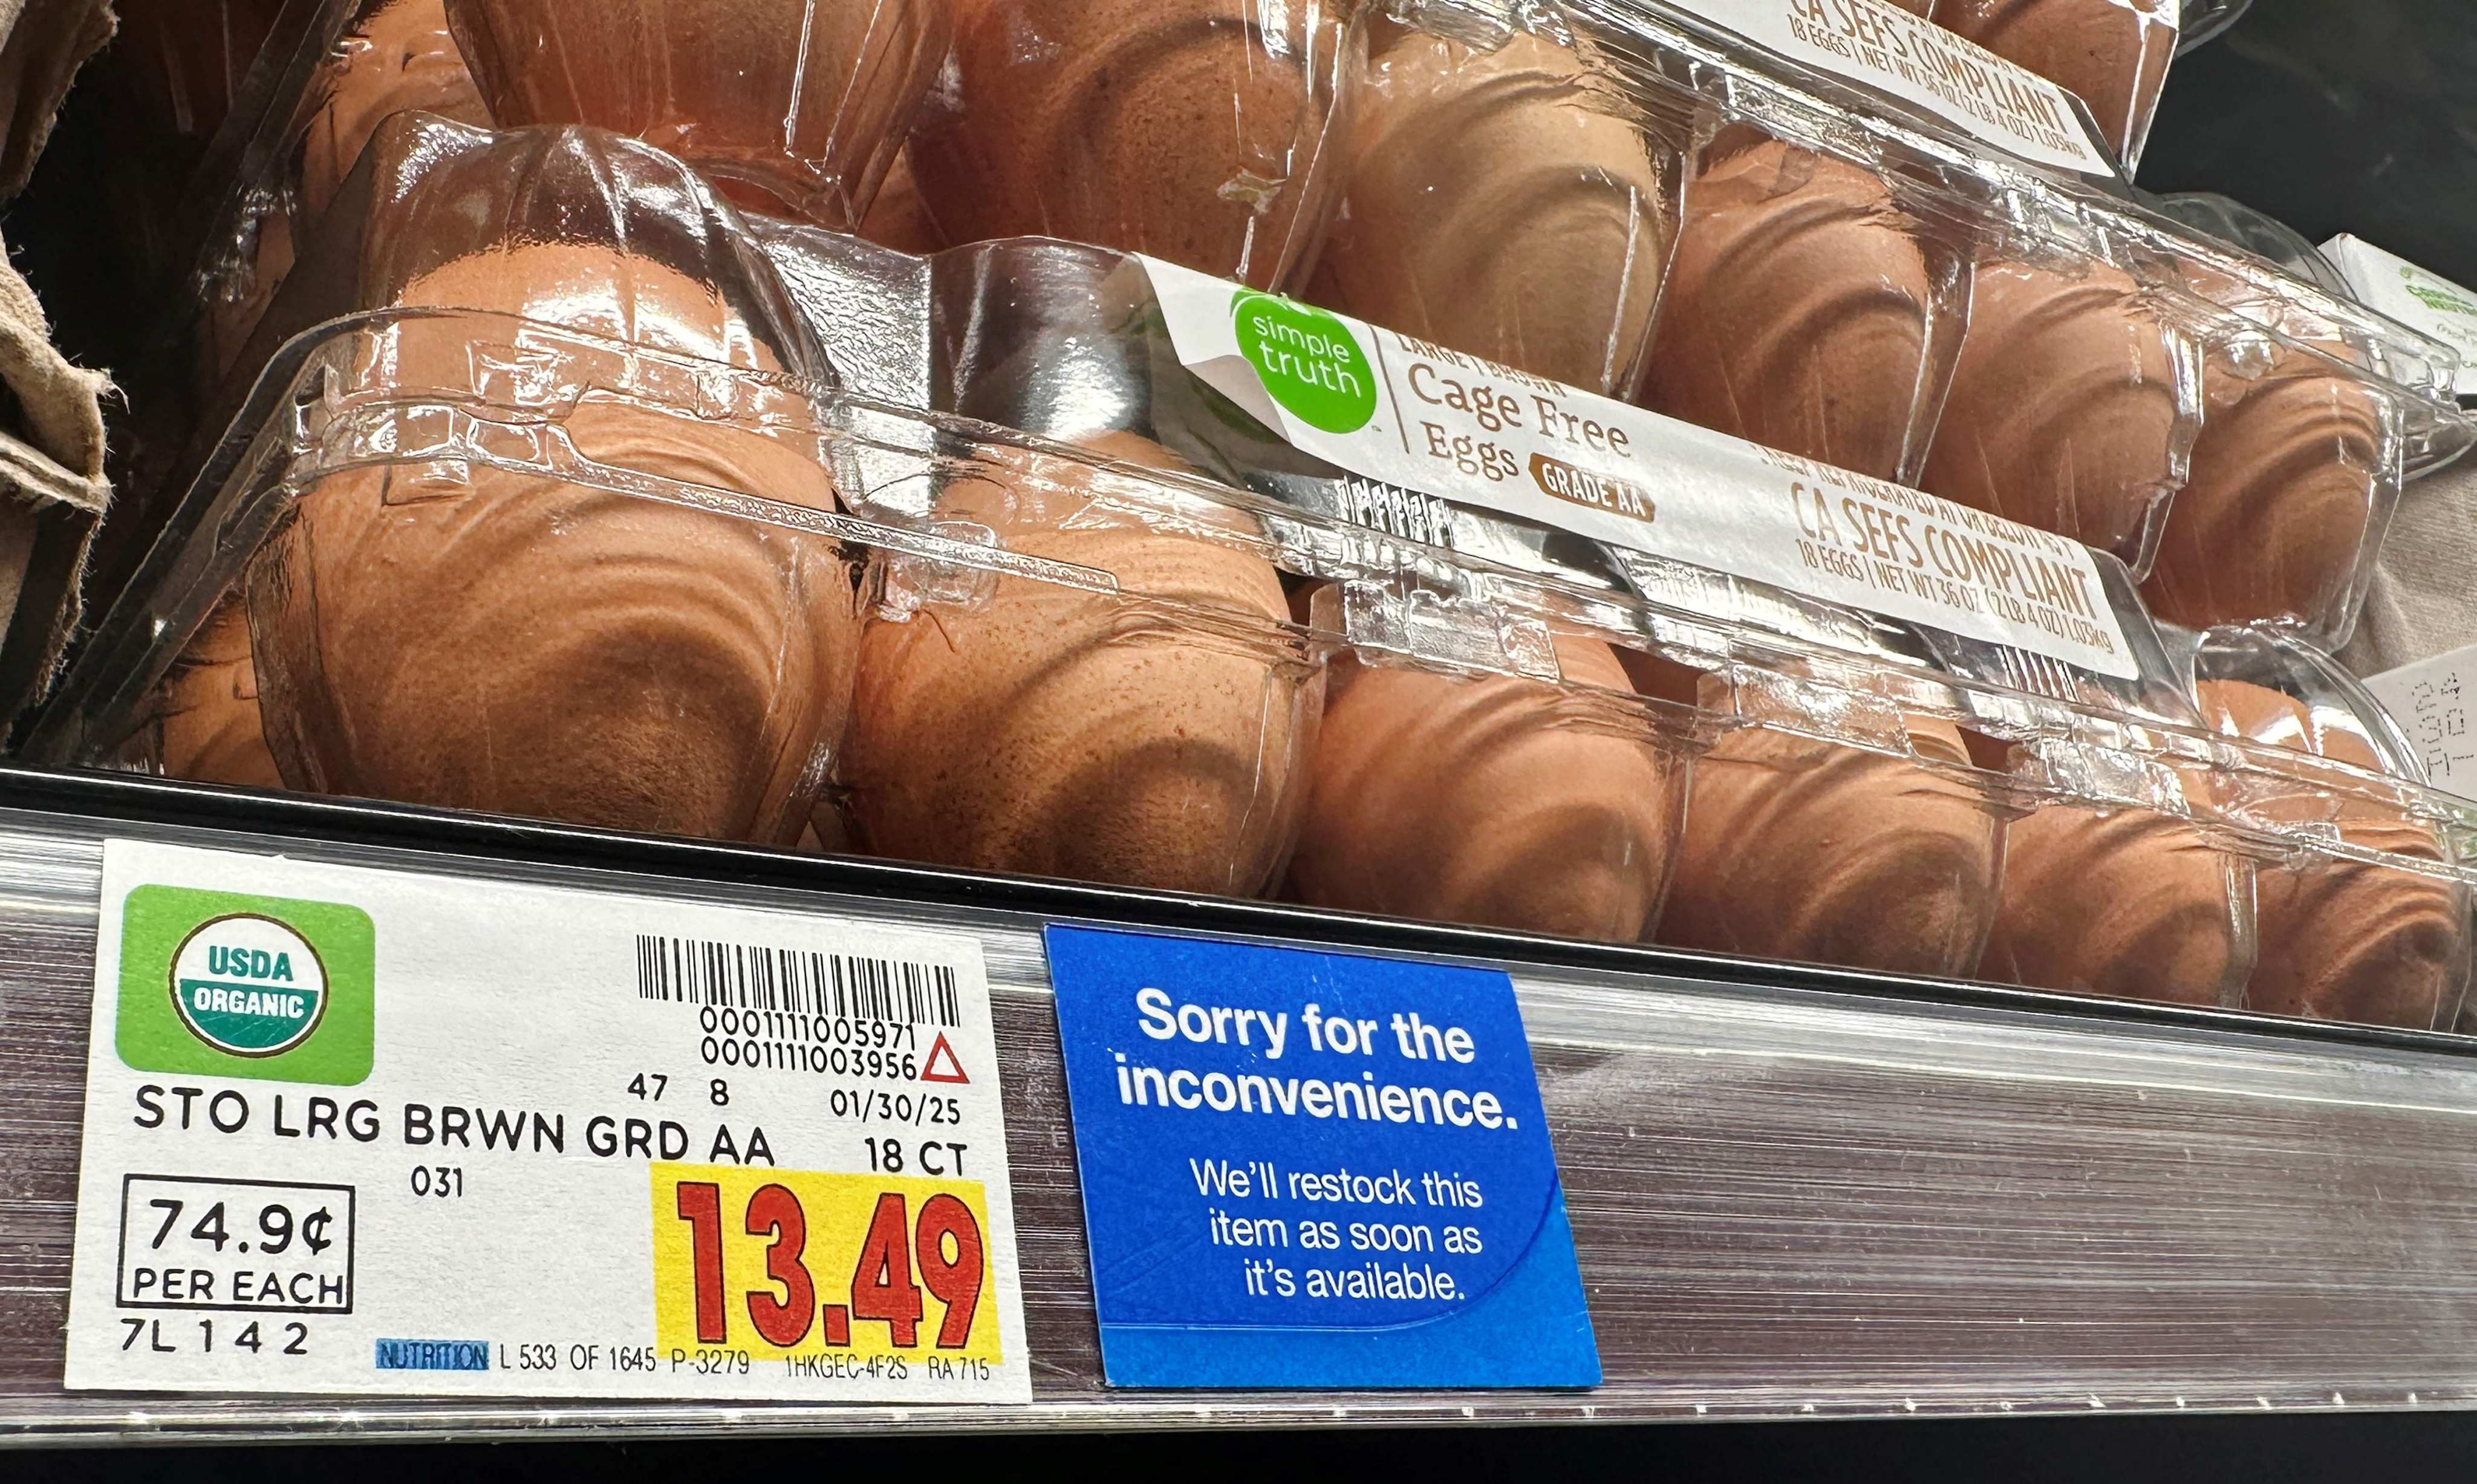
1065 338
329 76
1044 671
580 528
2111 55
2300 867
495 565
1069 341
490 564
1647 142
2370 396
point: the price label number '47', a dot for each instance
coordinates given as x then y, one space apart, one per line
783 1263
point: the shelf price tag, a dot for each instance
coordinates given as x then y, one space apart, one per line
364 1131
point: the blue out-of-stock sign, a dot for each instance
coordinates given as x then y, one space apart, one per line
1314 1169
434 1355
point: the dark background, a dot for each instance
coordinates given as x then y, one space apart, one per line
2353 115
2120 1451
2336 115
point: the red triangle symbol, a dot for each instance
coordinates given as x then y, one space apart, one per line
954 1069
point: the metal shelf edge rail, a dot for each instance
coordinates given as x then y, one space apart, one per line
1795 1192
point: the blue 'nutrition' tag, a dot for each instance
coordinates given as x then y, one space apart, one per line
1314 1169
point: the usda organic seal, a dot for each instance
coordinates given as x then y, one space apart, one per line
249 984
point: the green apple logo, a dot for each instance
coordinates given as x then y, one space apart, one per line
1308 360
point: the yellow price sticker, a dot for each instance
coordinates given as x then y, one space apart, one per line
785 1263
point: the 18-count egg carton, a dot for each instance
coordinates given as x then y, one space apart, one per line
1624 195
568 520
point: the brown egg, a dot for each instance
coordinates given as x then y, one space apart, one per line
1156 738
1495 801
2285 475
899 218
1798 314
2113 54
2347 940
2263 715
1504 204
397 55
789 105
209 708
2344 939
2063 412
2130 903
1181 128
235 293
1806 850
518 643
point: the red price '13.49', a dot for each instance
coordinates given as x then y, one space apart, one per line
897 1260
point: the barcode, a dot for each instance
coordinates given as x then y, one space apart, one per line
795 981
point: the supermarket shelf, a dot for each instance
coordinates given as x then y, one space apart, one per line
1794 1192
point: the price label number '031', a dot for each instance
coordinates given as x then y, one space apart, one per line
780 1263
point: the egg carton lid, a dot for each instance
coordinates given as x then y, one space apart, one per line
2254 796
2240 226
353 393
242 178
1669 47
1065 340
228 186
2204 20
424 190
448 390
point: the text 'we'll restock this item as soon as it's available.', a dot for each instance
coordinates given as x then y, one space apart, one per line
1312 1170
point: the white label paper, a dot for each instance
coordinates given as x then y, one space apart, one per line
1391 408
2431 700
364 1131
1886 48
2393 285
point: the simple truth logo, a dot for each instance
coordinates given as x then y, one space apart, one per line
1307 361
